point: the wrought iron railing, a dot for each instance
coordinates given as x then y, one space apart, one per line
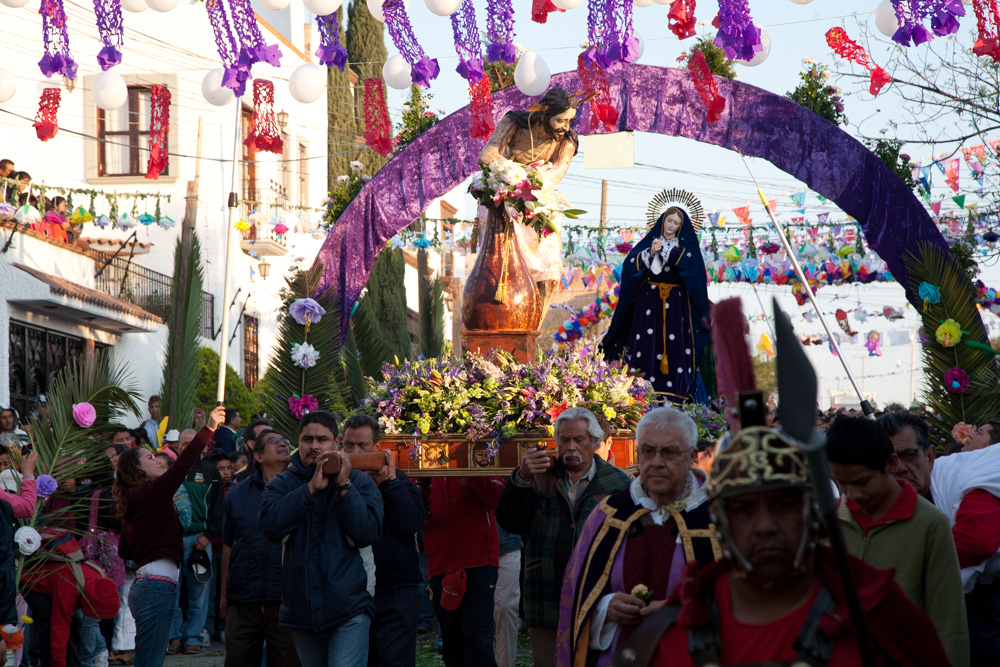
118 276
260 207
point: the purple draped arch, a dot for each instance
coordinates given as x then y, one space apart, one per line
660 100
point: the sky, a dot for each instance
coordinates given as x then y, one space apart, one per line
715 175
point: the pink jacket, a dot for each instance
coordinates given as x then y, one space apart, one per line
23 503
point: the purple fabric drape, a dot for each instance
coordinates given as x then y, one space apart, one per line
653 99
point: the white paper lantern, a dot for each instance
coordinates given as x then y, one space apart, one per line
307 82
662 2
13 4
212 89
396 72
760 56
162 5
640 48
885 18
531 76
566 5
7 85
320 7
275 5
375 8
109 90
642 3
134 6
443 7
802 2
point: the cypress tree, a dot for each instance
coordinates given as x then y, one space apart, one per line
386 301
367 53
431 304
341 124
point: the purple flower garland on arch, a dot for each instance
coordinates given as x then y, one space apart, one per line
248 32
609 33
910 14
738 37
331 52
57 58
500 31
470 57
109 26
422 67
239 42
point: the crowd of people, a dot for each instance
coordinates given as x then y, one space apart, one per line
48 215
272 543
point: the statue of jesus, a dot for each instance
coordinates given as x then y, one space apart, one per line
541 134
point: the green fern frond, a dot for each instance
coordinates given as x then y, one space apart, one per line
182 362
958 302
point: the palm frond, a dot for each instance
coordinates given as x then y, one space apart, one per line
181 362
290 380
958 302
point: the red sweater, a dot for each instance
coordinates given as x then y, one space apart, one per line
977 527
150 527
461 531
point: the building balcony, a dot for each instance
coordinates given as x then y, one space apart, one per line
260 207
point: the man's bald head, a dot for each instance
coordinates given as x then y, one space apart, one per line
187 435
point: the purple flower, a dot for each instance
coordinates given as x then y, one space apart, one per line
84 414
956 381
46 485
301 308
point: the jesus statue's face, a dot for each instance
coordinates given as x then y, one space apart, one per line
560 124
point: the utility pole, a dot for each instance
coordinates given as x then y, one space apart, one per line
604 205
181 280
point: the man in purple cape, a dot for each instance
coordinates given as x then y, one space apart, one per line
633 548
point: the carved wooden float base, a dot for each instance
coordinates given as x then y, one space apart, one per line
521 344
455 456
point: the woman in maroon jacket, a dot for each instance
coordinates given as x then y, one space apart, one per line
153 538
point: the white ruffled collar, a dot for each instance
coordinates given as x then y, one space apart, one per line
691 497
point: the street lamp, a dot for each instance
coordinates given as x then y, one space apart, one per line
282 118
264 269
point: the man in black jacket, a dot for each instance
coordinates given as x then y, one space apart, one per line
393 632
251 566
248 439
204 488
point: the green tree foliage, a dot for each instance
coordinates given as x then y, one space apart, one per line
888 150
501 75
366 54
385 303
417 118
181 361
237 395
343 190
342 127
431 301
765 369
816 94
718 64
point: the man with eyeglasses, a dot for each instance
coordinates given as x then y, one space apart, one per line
393 633
629 557
251 566
912 443
324 521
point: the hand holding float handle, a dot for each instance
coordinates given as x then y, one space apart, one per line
364 461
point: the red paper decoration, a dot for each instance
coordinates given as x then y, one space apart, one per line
159 127
680 18
988 22
540 10
46 124
264 134
481 109
704 83
743 214
848 49
595 84
378 132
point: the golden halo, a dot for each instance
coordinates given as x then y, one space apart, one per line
676 197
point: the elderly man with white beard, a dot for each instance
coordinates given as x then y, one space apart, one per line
547 502
628 560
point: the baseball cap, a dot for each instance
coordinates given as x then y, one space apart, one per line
201 565
452 589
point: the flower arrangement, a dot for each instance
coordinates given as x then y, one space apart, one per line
343 193
524 194
711 424
817 95
499 397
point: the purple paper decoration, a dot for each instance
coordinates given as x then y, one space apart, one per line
470 55
109 26
239 42
57 58
331 52
422 67
500 31
910 14
609 33
738 37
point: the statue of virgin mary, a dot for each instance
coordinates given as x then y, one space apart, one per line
662 321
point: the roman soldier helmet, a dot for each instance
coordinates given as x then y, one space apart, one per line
759 459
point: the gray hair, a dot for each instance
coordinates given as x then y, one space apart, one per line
594 429
186 432
669 418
